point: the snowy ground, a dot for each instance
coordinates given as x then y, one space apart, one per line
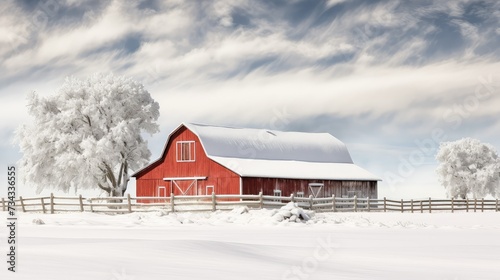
254 245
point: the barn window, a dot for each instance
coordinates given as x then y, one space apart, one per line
185 151
209 190
277 193
162 191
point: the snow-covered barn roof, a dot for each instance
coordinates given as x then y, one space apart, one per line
290 169
268 153
265 144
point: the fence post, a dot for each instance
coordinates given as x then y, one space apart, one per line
412 205
80 198
430 205
3 204
421 207
292 198
482 204
385 205
22 203
310 202
334 208
401 205
129 203
355 203
51 203
261 200
172 204
43 204
368 203
91 205
213 202
475 204
452 208
496 205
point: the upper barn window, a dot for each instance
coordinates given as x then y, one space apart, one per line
185 151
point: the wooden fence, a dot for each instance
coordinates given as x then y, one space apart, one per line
52 204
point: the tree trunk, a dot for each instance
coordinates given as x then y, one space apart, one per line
119 191
116 192
116 185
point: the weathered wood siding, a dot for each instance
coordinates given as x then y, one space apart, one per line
289 186
149 181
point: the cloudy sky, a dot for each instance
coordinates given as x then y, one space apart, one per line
391 79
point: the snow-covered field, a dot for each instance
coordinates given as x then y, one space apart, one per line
254 245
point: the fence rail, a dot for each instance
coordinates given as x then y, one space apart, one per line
52 204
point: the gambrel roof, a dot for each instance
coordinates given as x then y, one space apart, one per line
265 144
268 153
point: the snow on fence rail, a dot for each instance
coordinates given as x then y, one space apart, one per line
128 204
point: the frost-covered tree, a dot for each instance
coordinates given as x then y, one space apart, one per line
88 134
468 166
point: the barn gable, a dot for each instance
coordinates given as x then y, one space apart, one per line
185 169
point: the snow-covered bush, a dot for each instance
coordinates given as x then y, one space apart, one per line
38 222
292 212
88 134
468 166
240 210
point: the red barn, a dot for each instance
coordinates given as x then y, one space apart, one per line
201 159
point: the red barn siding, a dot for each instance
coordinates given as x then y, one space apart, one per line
224 180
